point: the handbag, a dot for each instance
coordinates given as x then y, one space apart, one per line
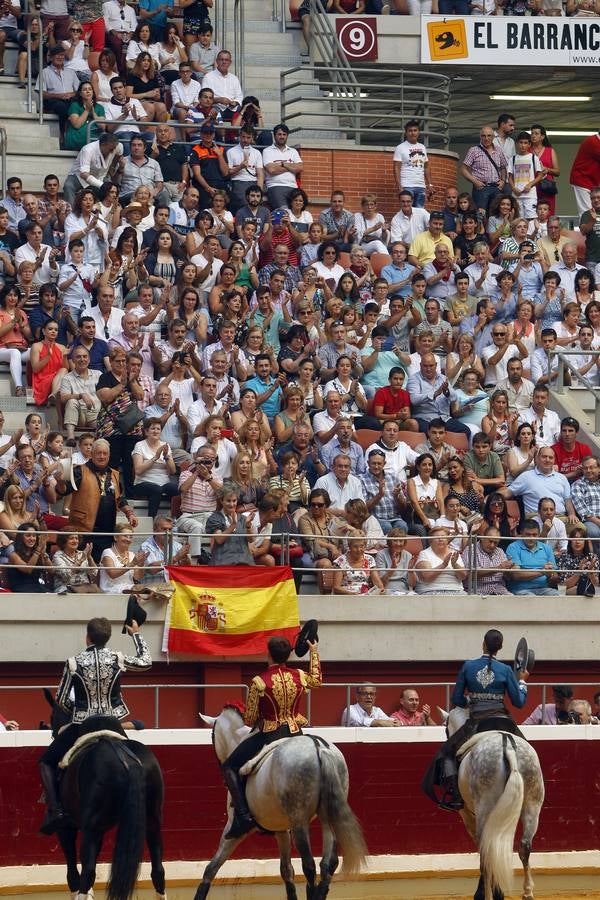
585 588
507 190
128 419
548 186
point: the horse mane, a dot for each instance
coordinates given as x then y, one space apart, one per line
235 706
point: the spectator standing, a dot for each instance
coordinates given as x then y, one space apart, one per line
411 165
585 171
282 165
589 225
550 713
546 154
485 167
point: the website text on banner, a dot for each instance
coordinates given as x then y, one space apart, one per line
229 610
488 41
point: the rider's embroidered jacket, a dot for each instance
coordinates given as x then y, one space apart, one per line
485 683
95 677
274 696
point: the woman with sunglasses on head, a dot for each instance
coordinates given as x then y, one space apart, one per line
495 514
242 478
77 51
318 528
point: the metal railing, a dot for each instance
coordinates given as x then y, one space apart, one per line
346 686
34 14
3 170
177 126
359 105
564 364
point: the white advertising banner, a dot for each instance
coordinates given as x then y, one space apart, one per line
510 41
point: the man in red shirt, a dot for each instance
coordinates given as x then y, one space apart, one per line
585 171
569 452
409 714
392 404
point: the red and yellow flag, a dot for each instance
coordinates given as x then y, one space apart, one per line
229 610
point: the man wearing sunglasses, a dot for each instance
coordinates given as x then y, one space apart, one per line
120 22
198 488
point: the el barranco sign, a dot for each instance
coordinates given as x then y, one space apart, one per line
506 41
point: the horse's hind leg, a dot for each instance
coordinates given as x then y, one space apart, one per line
285 864
91 844
68 838
329 862
302 842
529 821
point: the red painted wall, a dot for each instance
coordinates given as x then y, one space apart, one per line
384 793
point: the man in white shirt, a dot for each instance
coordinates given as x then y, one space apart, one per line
185 91
398 455
208 263
206 405
341 485
495 357
546 423
567 268
105 315
364 713
226 87
482 273
44 256
409 222
282 166
551 527
503 139
95 163
519 389
126 113
411 165
120 21
246 170
542 371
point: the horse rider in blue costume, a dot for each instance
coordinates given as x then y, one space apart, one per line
94 675
481 686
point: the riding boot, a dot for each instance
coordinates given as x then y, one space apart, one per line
243 821
451 798
55 816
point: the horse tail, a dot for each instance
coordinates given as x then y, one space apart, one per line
335 811
131 828
497 839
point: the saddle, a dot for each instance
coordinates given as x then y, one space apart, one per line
85 741
474 740
255 764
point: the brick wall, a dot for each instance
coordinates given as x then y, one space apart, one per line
357 172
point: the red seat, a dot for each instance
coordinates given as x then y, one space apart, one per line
367 436
378 261
460 441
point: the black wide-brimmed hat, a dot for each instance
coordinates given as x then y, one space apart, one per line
134 611
524 657
308 632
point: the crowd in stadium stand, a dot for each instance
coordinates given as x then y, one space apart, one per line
376 389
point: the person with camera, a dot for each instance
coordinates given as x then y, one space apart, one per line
552 713
199 489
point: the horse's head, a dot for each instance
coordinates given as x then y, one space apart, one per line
454 719
58 717
228 730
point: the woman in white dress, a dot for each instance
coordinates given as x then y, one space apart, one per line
425 494
154 467
120 567
439 569
107 69
372 232
86 225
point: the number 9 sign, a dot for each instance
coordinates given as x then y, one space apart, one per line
358 37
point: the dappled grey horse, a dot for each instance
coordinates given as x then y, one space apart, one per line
300 778
500 781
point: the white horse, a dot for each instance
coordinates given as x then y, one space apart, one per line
301 778
500 780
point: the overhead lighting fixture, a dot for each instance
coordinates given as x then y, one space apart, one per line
580 134
547 98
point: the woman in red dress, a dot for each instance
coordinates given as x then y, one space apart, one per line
541 146
48 364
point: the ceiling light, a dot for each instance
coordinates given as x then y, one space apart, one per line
547 98
580 134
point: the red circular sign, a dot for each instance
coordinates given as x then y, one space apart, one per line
358 37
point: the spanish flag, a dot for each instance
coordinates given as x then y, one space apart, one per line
229 610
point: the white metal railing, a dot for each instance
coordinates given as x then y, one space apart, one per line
565 364
222 17
34 14
3 170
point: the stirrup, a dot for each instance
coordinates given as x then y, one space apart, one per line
451 801
53 820
241 825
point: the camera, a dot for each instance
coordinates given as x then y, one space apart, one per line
564 717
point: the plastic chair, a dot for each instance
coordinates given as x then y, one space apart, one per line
378 261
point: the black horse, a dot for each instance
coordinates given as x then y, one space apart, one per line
112 783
